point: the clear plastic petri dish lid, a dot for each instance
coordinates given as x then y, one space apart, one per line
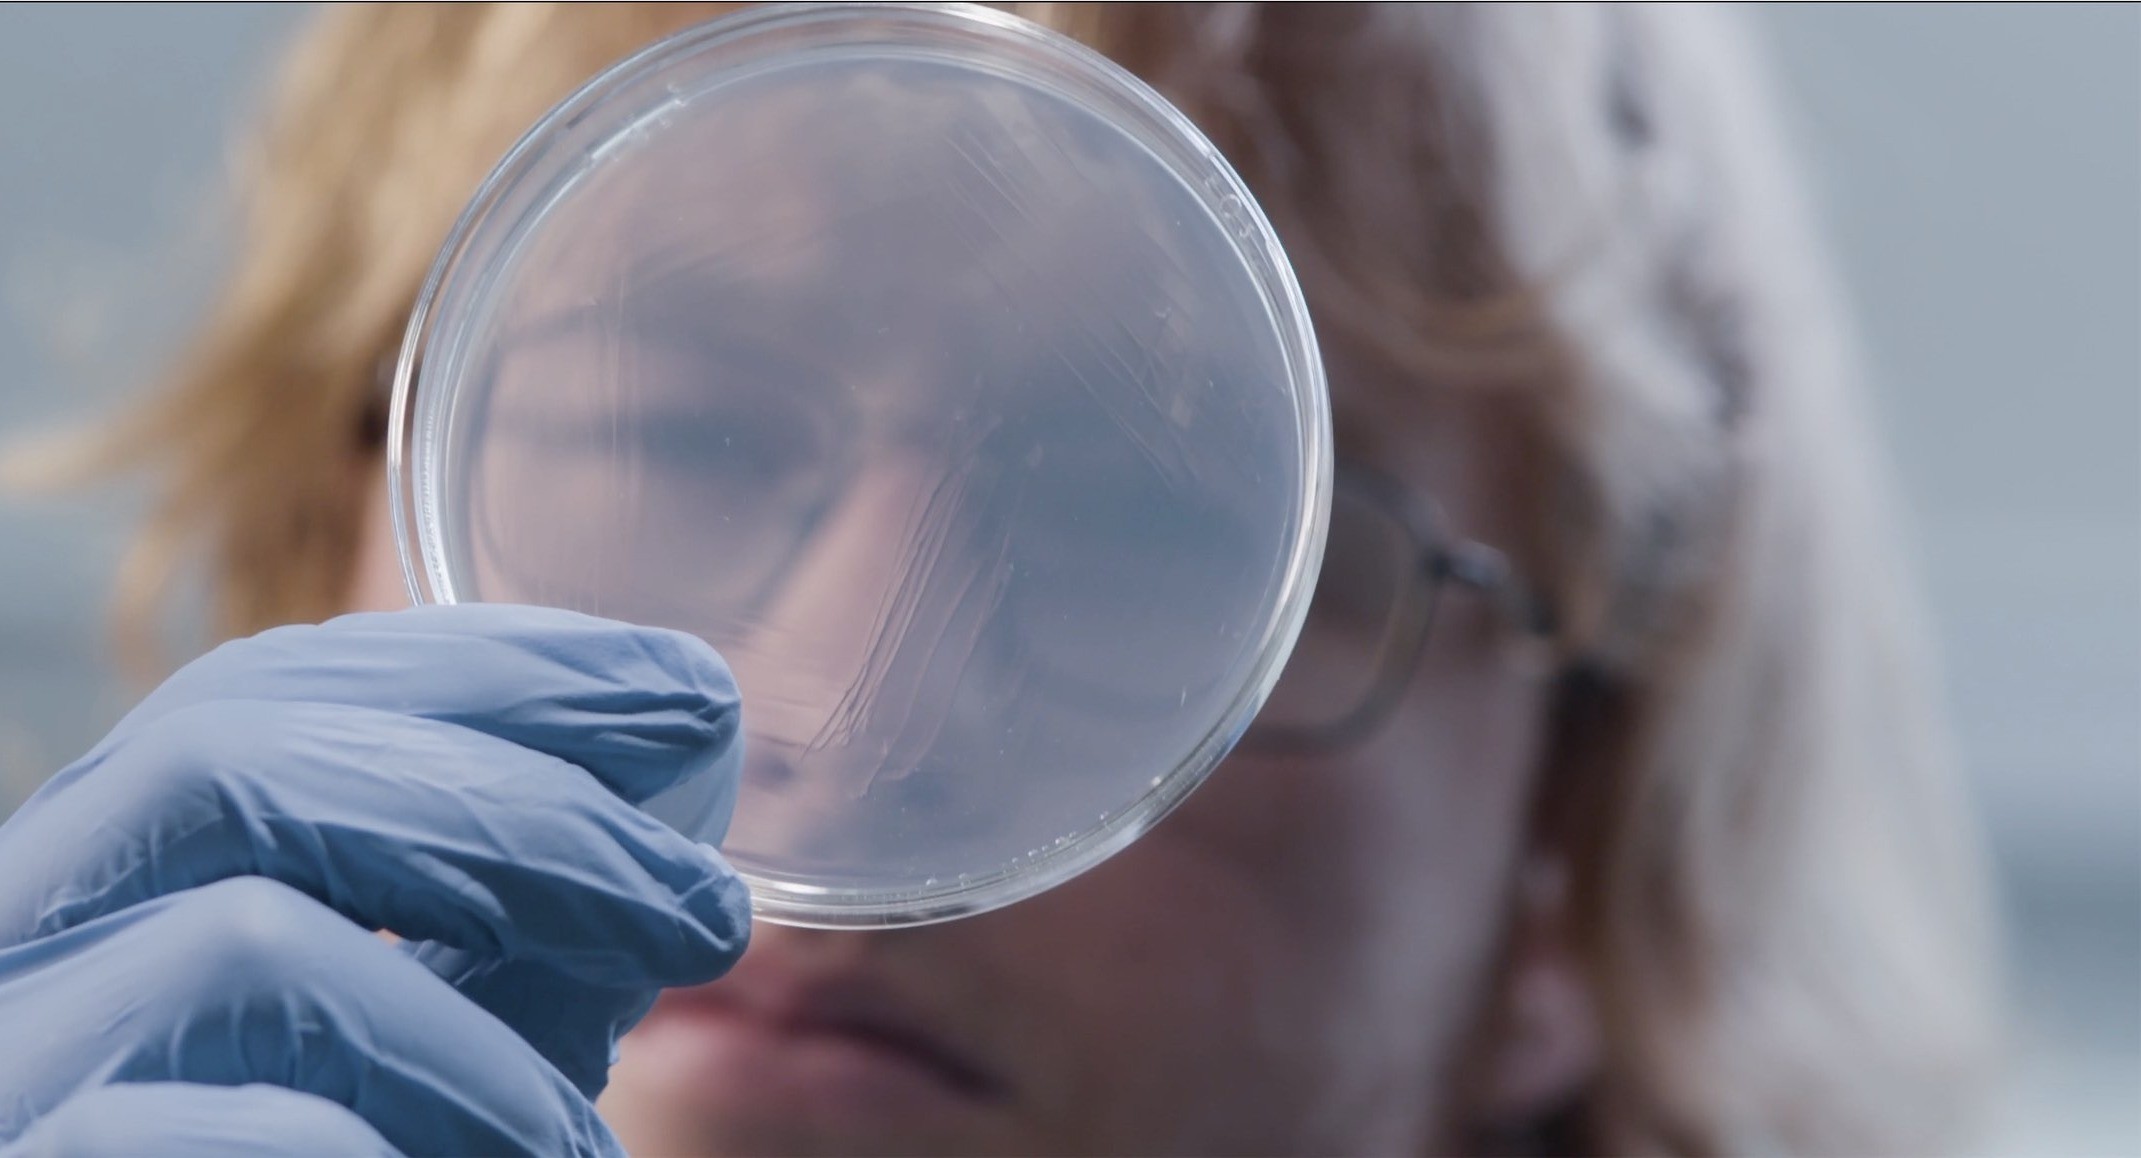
939 374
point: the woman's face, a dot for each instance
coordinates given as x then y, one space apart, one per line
1299 958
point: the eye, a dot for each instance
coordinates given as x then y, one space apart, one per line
741 445
1366 563
1355 617
683 454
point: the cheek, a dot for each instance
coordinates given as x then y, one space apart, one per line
1295 953
377 584
1430 846
1158 1000
1398 851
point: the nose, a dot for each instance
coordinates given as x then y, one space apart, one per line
847 672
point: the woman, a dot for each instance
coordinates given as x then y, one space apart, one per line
1679 871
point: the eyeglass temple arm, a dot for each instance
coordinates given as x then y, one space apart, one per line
1487 571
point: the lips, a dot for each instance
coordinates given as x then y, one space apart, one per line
853 1016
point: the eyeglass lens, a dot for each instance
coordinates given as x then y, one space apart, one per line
1366 588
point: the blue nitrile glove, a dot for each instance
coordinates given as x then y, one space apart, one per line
185 961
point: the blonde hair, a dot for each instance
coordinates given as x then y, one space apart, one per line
1584 207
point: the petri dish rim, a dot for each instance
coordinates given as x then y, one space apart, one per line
506 208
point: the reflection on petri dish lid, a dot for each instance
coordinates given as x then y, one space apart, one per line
942 377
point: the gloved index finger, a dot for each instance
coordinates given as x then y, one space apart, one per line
432 830
641 708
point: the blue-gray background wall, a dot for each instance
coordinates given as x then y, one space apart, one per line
1980 171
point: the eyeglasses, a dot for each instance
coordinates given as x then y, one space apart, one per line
1387 560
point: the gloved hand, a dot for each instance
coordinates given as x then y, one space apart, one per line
186 962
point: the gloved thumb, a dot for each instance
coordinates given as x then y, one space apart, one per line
573 1024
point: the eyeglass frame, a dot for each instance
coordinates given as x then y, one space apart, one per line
1439 559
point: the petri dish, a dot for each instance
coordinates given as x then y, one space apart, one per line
937 372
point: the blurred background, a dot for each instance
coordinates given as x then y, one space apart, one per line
1979 170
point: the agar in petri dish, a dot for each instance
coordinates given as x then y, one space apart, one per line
940 375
